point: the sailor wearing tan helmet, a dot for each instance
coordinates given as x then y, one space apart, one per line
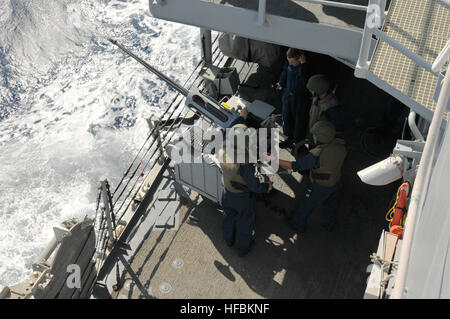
325 105
240 181
323 183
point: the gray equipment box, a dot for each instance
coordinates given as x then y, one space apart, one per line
225 79
202 175
205 178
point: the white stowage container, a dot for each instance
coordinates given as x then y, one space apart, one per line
384 172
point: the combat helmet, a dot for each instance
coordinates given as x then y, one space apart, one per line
324 131
319 84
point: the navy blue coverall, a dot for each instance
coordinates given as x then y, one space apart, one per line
296 100
314 195
335 116
238 220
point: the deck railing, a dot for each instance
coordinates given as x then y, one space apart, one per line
372 27
420 187
441 58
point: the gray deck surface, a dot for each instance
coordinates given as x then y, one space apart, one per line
307 11
193 261
317 264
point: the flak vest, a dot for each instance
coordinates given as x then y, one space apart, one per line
230 174
331 158
319 106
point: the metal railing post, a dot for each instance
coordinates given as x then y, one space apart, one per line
362 66
412 125
441 58
107 211
206 43
382 4
152 122
262 12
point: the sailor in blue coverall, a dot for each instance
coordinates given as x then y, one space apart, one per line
325 105
295 100
238 221
323 185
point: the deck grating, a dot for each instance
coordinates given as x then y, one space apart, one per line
422 26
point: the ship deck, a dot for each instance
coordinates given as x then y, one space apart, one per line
191 260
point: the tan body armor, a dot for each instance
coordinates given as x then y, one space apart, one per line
331 157
230 173
319 106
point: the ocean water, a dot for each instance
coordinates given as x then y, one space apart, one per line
72 109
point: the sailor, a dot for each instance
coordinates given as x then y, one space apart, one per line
323 184
295 98
240 181
325 105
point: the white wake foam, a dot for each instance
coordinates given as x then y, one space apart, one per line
72 109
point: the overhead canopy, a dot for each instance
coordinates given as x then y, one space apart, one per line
312 27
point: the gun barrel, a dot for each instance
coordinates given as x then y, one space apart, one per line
163 77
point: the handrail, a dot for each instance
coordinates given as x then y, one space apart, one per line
442 57
362 65
262 12
414 129
363 59
417 198
396 45
421 181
